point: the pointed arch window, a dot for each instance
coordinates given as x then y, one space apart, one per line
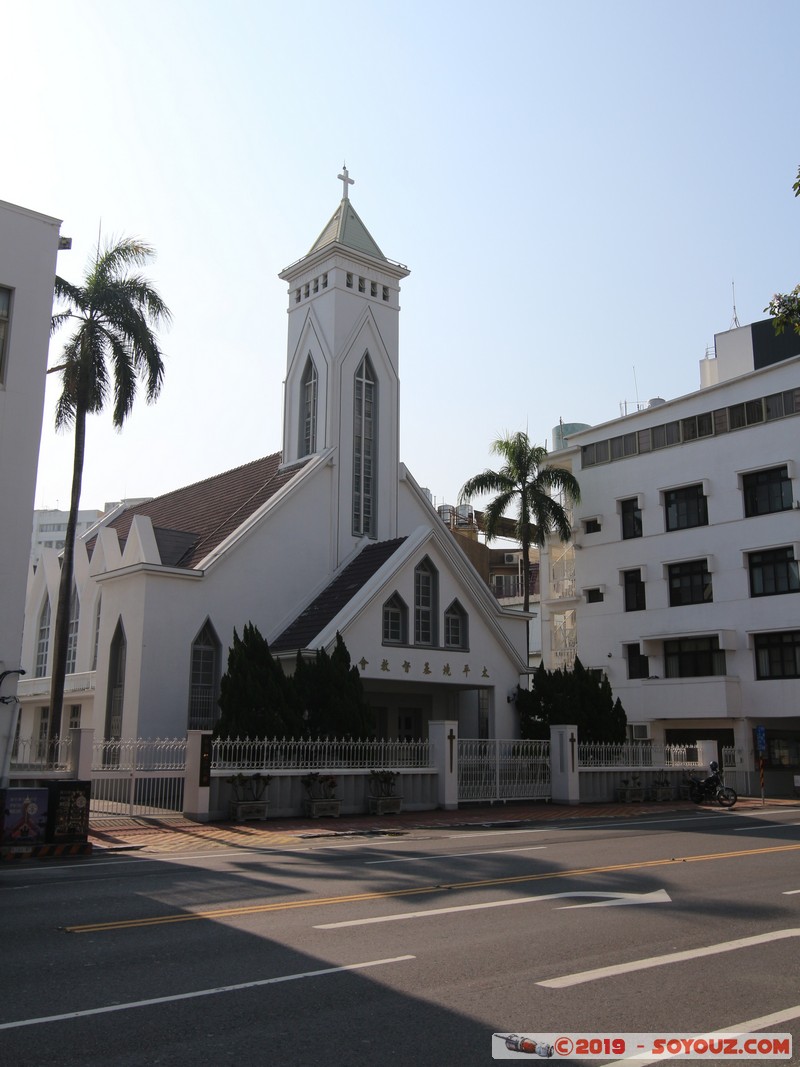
365 410
395 621
96 631
43 640
72 632
116 682
426 595
203 711
308 409
456 629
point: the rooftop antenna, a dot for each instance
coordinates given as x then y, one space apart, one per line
636 387
735 319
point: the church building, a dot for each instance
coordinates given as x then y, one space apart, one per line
330 535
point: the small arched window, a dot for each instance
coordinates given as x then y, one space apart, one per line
456 629
395 621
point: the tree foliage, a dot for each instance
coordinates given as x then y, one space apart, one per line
785 307
255 695
577 696
112 349
525 484
324 697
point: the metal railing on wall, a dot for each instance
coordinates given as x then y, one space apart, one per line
262 753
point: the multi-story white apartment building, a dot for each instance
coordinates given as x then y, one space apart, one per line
679 583
50 528
29 243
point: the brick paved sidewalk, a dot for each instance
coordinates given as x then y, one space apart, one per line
182 835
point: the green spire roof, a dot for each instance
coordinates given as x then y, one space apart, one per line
346 228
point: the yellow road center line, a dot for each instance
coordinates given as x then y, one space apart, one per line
315 902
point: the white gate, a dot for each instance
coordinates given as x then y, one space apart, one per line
494 769
138 777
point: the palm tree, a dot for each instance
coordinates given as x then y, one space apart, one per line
116 310
525 481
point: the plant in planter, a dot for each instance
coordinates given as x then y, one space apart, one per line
320 794
383 783
662 788
383 798
249 800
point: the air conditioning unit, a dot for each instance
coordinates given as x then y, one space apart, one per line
640 731
510 559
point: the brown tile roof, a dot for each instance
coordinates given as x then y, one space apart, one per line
335 596
190 522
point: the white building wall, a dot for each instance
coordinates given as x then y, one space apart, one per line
28 247
718 462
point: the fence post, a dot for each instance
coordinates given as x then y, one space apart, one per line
82 749
443 736
564 778
196 782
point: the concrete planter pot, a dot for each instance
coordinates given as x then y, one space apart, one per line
243 810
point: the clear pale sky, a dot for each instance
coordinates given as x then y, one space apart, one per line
574 187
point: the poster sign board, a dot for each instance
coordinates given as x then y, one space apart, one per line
23 816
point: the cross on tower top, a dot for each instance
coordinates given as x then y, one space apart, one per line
346 180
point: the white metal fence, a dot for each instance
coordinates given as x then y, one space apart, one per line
265 754
32 755
597 755
141 777
493 769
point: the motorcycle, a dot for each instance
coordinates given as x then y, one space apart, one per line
712 788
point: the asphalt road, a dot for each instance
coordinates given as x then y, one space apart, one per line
404 950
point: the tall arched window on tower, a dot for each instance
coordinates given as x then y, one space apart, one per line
365 414
308 410
203 710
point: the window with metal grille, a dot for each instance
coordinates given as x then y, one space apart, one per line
685 507
631 518
773 572
689 583
694 657
633 588
767 491
777 655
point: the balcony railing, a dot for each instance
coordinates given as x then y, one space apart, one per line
81 682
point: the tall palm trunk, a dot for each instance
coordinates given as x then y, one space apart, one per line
61 631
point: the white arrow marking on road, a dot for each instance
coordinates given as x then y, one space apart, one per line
658 897
671 957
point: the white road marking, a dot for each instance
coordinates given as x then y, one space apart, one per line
201 993
768 826
749 1026
790 892
458 855
657 897
671 957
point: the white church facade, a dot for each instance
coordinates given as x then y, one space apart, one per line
331 535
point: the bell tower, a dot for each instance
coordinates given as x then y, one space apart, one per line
342 386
